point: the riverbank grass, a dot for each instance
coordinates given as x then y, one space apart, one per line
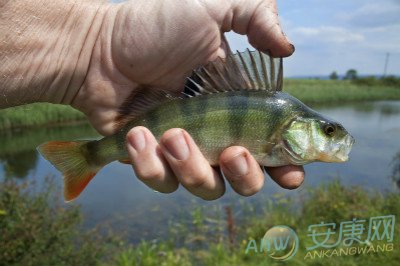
338 91
38 114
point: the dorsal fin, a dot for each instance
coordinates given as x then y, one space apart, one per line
139 102
249 70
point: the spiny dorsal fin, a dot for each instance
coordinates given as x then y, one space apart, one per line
249 70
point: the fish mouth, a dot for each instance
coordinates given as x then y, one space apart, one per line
342 155
344 151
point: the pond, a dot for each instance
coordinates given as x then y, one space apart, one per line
117 198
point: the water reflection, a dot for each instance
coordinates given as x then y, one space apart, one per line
18 154
18 164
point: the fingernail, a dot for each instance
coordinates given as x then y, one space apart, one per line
137 140
292 47
177 146
237 166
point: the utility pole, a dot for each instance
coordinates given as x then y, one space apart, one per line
386 64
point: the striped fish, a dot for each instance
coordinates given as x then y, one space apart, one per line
233 101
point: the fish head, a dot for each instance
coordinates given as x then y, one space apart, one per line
316 139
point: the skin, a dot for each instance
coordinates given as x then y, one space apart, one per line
92 55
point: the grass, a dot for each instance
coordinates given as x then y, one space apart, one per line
309 91
338 91
38 114
35 231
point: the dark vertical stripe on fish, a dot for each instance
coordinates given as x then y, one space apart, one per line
153 121
199 110
238 107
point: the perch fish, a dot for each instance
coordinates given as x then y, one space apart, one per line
233 101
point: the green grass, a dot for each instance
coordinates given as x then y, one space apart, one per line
35 230
38 114
308 91
338 91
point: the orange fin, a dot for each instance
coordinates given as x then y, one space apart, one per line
70 160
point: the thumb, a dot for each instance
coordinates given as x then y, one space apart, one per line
259 21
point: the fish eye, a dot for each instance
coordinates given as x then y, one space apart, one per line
329 129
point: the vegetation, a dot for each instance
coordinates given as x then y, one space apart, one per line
334 91
389 81
35 231
38 114
334 75
351 74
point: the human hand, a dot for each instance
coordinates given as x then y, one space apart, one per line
97 54
145 42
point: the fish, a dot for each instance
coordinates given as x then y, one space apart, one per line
237 100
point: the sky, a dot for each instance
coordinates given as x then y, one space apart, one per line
337 36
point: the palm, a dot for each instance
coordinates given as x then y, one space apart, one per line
157 44
157 57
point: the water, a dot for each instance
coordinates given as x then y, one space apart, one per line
117 198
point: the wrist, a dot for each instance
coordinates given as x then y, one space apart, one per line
83 40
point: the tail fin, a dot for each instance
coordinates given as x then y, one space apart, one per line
69 159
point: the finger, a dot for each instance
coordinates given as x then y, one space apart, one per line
189 165
148 162
259 21
241 170
290 176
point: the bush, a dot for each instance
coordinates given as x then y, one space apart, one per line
36 230
367 81
390 81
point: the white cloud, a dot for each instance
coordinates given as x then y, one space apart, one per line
325 34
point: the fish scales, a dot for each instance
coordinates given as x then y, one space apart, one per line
214 122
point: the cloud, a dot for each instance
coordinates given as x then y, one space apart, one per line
325 34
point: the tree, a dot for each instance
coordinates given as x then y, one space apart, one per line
333 75
351 74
